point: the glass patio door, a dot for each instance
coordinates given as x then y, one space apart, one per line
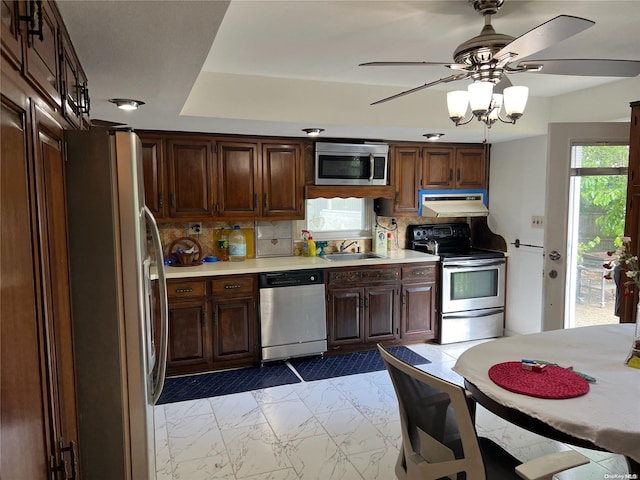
597 196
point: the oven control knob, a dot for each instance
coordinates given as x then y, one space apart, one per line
555 256
553 274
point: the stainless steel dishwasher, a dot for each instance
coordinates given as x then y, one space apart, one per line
292 314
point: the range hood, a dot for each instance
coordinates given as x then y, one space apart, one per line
453 203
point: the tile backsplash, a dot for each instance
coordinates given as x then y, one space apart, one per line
278 238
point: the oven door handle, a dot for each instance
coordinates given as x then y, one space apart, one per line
474 313
473 263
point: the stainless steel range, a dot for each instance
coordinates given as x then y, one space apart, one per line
472 289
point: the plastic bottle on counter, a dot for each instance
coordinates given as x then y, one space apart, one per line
305 243
237 245
312 247
223 246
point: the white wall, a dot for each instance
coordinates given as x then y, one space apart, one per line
517 192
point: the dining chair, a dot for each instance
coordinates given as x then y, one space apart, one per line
439 440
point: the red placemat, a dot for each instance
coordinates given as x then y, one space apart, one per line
552 382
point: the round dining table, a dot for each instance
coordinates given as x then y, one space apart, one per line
606 417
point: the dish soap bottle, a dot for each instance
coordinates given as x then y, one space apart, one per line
223 246
237 245
305 243
312 247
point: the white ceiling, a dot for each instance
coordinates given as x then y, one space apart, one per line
274 67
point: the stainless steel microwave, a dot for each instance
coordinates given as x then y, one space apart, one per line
351 164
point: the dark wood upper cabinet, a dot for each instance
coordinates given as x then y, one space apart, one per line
282 181
10 33
407 165
191 177
238 177
416 167
153 167
41 59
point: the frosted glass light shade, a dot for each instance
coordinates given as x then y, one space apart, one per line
457 103
497 104
515 100
480 96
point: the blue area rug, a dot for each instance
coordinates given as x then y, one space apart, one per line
215 384
351 363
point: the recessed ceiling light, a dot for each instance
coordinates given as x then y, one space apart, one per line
433 137
126 103
313 132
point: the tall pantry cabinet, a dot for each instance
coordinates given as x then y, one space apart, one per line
43 90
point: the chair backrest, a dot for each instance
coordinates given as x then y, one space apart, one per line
438 436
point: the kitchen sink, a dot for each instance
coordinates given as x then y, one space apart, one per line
338 256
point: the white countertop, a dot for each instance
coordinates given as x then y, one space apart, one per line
274 264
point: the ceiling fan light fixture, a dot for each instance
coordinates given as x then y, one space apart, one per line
480 96
313 132
126 103
515 101
496 106
457 103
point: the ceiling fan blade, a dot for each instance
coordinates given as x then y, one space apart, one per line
545 35
450 78
96 122
412 64
502 84
588 67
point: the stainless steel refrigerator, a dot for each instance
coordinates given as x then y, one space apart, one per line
119 344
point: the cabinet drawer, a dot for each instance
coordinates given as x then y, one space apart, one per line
186 289
234 285
421 273
364 275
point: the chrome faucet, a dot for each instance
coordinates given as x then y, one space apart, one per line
343 247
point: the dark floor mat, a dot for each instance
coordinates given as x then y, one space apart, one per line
215 384
351 363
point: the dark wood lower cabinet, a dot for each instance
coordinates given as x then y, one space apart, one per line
188 335
381 304
213 323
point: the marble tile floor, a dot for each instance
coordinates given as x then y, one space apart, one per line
345 428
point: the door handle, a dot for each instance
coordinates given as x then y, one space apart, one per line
555 256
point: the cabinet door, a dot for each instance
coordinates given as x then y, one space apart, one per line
282 182
41 62
25 416
407 164
238 189
154 176
234 329
380 312
345 317
438 167
70 83
10 34
188 335
191 177
471 168
418 311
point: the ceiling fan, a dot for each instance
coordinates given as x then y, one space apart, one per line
490 56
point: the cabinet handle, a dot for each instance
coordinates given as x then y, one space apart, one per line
35 10
184 290
458 175
366 302
397 198
85 101
62 465
264 200
255 200
404 299
230 286
160 201
172 199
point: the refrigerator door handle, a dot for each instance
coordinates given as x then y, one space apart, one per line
164 306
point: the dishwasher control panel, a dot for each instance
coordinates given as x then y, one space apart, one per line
291 278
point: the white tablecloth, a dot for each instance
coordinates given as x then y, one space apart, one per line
608 415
